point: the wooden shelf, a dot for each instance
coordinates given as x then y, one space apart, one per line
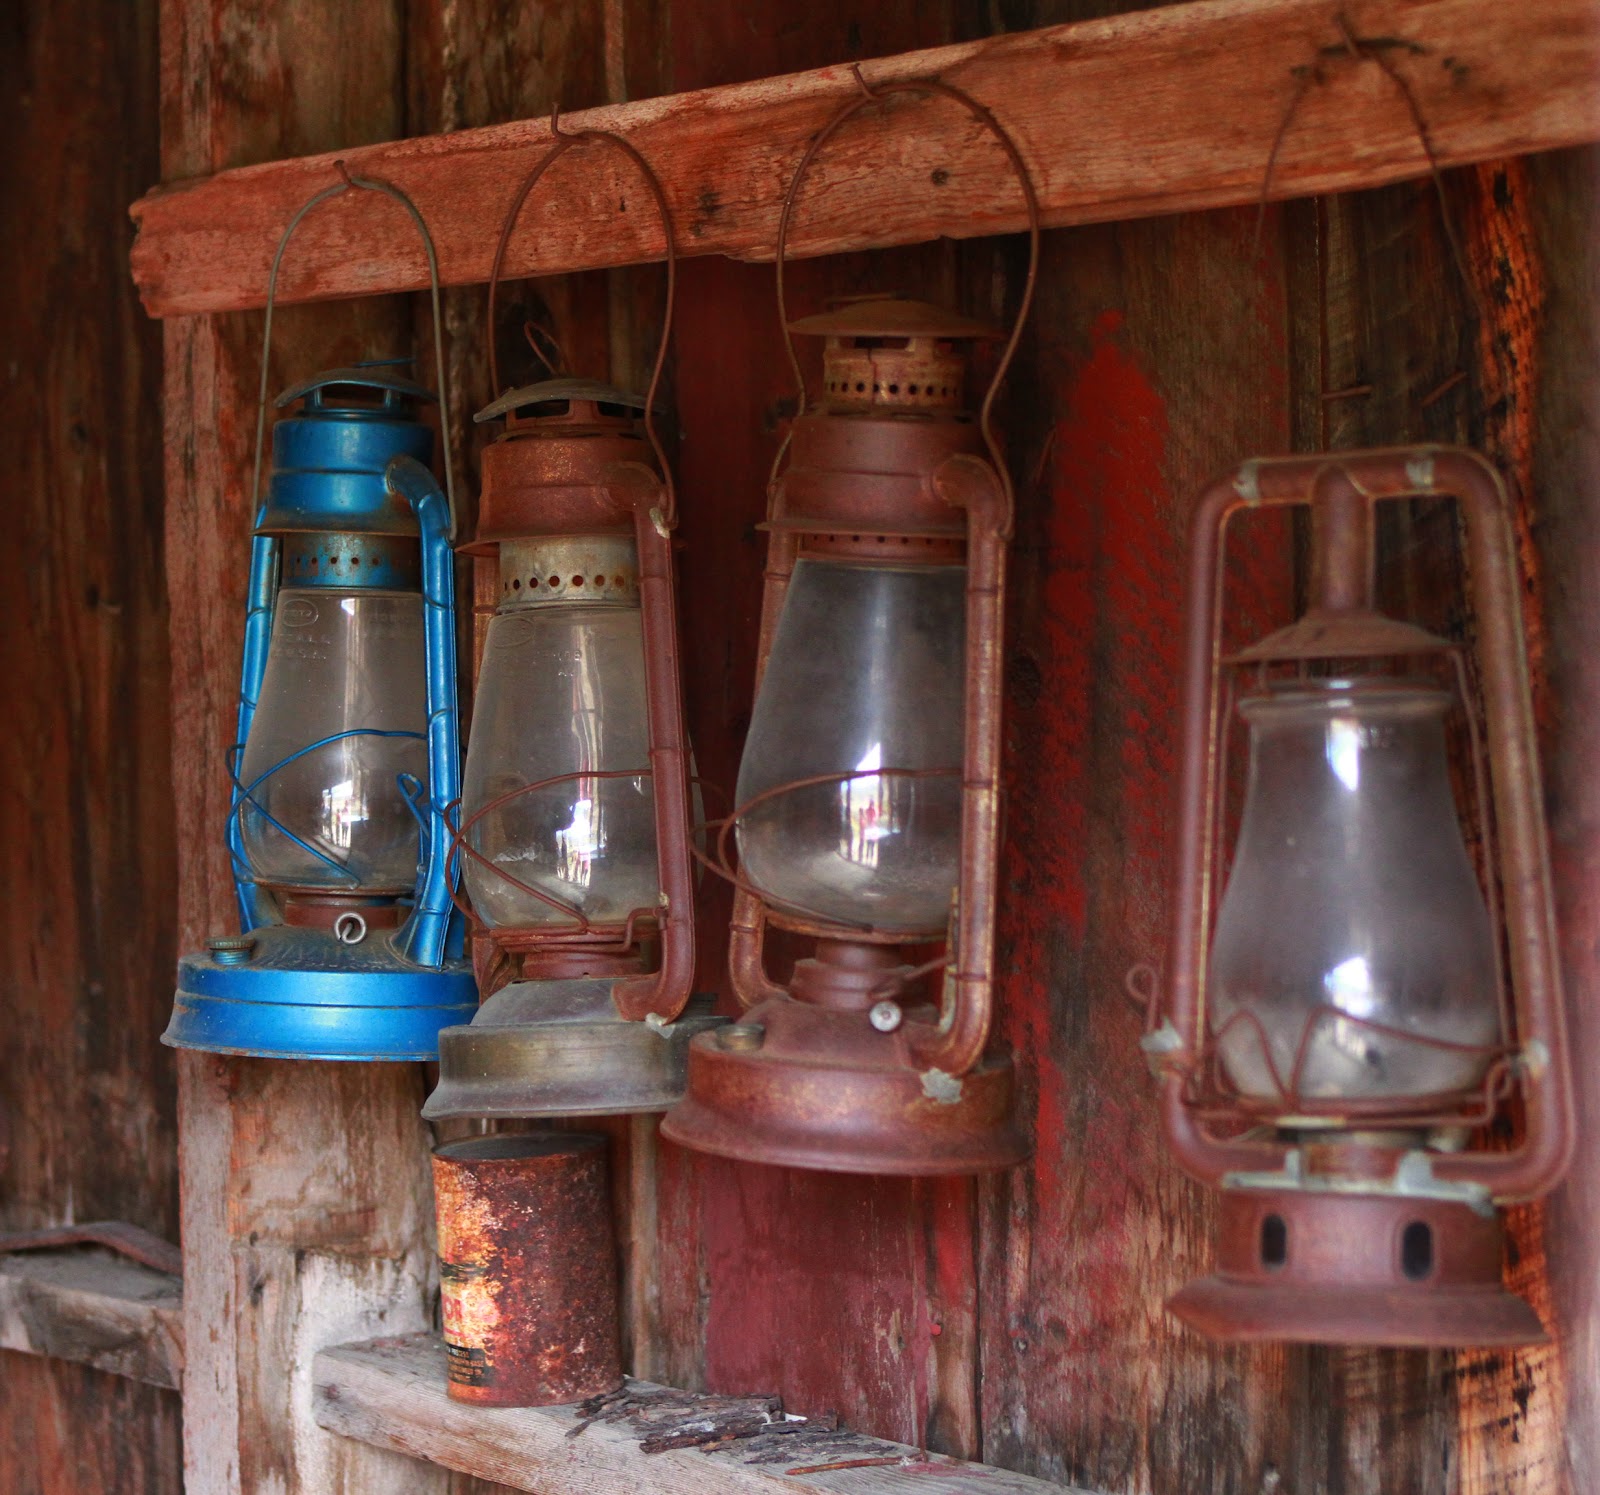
96 1308
1131 116
391 1393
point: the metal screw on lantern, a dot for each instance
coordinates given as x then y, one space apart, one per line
1337 1030
872 826
347 750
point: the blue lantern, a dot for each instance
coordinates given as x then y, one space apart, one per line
346 766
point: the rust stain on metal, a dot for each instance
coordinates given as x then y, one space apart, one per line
528 1275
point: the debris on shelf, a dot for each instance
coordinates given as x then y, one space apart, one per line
765 1433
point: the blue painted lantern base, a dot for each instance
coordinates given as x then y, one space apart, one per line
303 994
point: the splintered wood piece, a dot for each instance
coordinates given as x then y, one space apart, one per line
1149 113
391 1393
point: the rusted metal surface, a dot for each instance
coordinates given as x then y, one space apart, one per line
580 466
885 471
528 1268
1353 1300
1344 1269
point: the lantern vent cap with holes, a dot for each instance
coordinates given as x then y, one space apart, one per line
1338 1031
574 836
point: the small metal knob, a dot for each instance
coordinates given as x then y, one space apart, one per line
231 949
886 1016
743 1037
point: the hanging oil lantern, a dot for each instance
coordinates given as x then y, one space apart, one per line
347 738
868 793
1340 1027
575 811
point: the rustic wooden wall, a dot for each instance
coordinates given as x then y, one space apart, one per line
1016 1319
86 841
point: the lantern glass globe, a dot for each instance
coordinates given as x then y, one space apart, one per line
1353 923
333 817
866 674
561 696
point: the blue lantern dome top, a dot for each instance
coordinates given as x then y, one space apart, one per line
328 458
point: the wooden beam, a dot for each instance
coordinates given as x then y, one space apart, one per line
1128 116
96 1308
391 1393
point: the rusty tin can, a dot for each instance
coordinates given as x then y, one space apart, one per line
528 1268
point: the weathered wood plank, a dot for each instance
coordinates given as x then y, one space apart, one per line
1564 515
1136 115
87 1093
95 1308
1156 357
391 1393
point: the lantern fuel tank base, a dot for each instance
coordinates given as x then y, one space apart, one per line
1361 1269
560 1048
808 1087
296 993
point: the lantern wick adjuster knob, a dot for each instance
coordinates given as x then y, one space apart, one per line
231 949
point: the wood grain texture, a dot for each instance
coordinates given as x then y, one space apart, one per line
306 1206
1564 193
94 1308
134 1447
1157 356
1148 113
392 1393
87 1095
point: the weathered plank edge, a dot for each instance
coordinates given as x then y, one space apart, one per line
392 1393
95 1308
1136 115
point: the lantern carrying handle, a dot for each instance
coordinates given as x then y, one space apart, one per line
1541 1060
565 141
870 94
338 189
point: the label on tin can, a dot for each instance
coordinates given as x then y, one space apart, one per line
467 1308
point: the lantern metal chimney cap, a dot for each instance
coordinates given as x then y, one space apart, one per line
892 317
362 376
575 391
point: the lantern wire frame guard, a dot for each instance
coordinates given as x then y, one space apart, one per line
359 978
1367 1220
833 1072
574 1020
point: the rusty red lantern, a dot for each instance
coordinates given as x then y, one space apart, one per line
868 796
575 823
1344 1023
